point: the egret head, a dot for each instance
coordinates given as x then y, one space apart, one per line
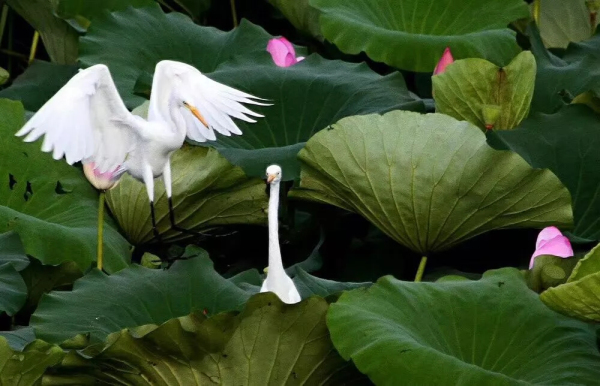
195 112
273 174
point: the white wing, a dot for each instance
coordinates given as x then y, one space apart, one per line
216 102
85 120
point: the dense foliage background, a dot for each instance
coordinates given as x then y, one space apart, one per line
383 162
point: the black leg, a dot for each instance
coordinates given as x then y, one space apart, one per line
186 231
154 229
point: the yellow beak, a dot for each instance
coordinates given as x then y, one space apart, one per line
197 114
270 178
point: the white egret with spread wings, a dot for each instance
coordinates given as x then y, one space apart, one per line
87 121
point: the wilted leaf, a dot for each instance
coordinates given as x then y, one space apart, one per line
565 21
427 181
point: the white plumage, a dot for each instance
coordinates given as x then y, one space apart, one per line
86 120
277 280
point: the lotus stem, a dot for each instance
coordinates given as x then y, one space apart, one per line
536 11
233 13
100 230
421 269
3 21
34 45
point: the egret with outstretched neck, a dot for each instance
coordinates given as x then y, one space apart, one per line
277 280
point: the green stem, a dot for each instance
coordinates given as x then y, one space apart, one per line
34 45
100 230
3 21
536 11
234 13
421 269
162 2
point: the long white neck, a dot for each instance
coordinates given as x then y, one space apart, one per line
176 115
275 264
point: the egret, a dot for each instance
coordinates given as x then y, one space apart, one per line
277 280
87 121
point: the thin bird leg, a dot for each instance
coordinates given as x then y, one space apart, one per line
154 228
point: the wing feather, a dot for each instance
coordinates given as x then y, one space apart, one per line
86 120
216 102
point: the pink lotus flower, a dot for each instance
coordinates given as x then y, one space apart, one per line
101 181
283 52
551 241
444 62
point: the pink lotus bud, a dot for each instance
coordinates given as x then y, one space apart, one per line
551 241
101 181
444 62
283 52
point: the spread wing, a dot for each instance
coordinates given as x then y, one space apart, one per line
216 102
87 121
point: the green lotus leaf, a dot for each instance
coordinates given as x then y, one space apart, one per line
80 12
412 35
50 204
132 41
301 15
427 181
306 97
195 8
26 367
18 339
565 21
207 191
560 79
510 89
13 291
268 343
101 304
578 297
40 81
493 331
11 251
566 143
60 40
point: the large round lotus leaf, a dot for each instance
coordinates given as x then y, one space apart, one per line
306 97
13 291
561 78
493 331
498 99
427 181
564 21
207 191
132 41
578 297
101 304
567 143
79 12
413 34
26 367
268 343
50 204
